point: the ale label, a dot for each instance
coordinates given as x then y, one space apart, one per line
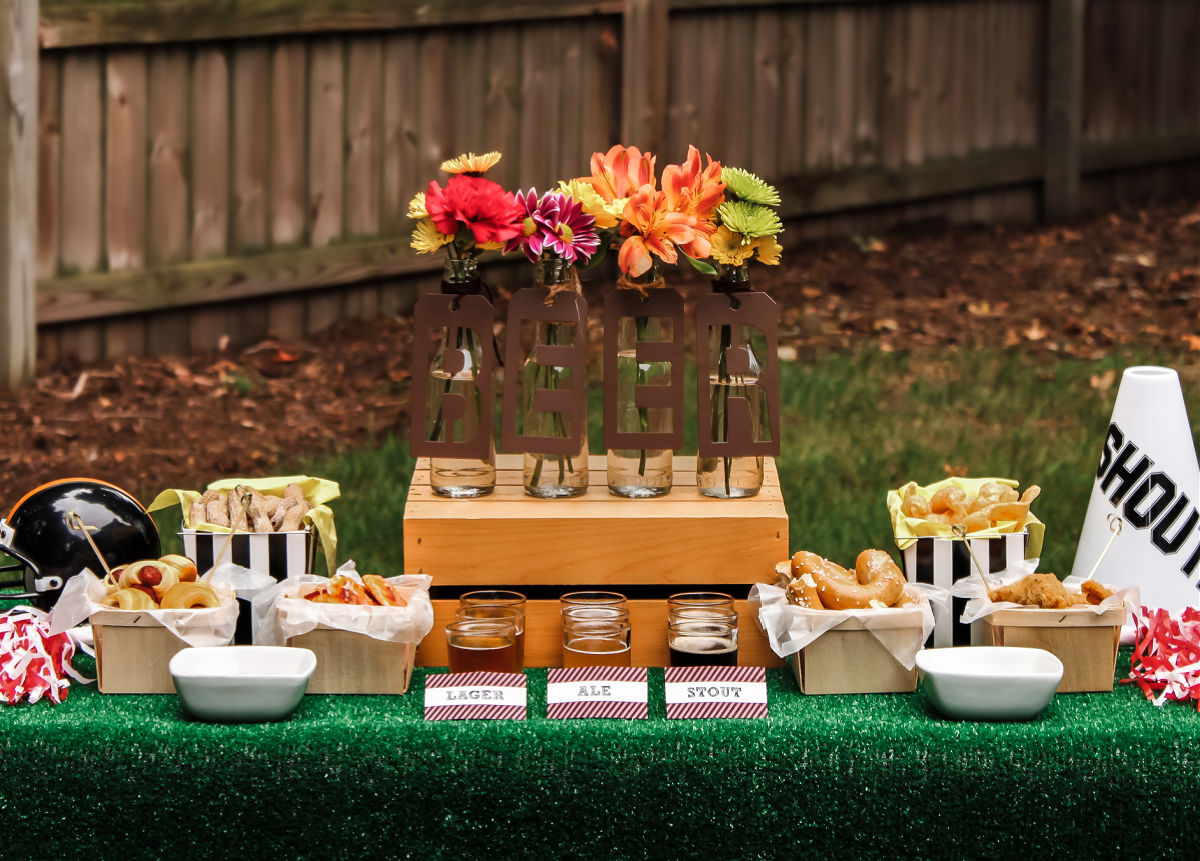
597 692
716 692
475 696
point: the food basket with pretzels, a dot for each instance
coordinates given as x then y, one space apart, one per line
846 631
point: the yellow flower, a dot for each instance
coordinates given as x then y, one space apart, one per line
728 248
593 204
491 246
416 206
769 250
427 239
733 249
471 163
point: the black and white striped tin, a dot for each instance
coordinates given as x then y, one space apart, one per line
942 561
279 554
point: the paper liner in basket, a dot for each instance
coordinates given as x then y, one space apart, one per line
909 529
210 626
900 630
980 605
282 612
318 491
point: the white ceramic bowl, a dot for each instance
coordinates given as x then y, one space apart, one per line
233 684
989 682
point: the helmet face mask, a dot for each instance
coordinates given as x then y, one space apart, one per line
38 534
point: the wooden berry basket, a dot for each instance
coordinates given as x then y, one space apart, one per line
849 659
1084 641
646 548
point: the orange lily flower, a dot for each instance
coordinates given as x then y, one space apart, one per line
621 171
695 193
652 227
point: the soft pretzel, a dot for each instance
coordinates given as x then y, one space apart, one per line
187 596
875 579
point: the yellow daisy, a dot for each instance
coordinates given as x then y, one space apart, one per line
591 201
768 249
416 206
427 239
471 163
729 249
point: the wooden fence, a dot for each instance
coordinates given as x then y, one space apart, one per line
210 167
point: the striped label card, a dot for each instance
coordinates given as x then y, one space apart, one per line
475 696
716 692
597 692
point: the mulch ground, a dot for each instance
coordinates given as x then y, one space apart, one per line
148 422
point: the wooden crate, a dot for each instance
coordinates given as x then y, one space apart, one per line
849 659
678 542
350 663
1084 641
133 652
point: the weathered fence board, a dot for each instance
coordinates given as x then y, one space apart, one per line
192 153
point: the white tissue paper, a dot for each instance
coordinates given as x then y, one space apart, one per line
900 630
980 605
282 612
211 626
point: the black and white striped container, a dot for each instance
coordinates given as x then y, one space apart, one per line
280 554
942 561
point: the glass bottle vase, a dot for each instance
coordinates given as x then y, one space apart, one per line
641 473
732 477
456 477
553 476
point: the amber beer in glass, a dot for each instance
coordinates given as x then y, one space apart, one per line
500 600
482 645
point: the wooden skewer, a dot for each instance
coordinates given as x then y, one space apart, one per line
961 532
74 521
1115 524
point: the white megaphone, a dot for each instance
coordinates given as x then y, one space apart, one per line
1149 478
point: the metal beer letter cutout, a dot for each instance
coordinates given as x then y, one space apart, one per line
758 311
661 302
452 317
567 306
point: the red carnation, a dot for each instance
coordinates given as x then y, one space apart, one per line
491 213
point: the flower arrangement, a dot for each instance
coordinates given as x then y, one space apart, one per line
469 213
747 222
649 221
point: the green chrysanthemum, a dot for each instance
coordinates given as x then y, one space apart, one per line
746 186
751 220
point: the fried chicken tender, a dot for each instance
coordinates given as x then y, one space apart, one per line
1046 591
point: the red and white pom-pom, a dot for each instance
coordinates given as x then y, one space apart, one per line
1166 655
32 662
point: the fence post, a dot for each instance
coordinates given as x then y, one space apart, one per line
18 190
1064 108
644 47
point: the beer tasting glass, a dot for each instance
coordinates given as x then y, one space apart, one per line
493 602
595 642
482 645
574 600
702 630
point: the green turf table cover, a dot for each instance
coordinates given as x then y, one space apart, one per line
1098 775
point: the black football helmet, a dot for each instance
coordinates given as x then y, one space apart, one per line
50 550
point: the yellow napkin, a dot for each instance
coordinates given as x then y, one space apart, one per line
909 529
318 491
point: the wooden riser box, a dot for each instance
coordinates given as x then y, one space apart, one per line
678 542
648 642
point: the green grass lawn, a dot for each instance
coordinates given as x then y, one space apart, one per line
854 425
